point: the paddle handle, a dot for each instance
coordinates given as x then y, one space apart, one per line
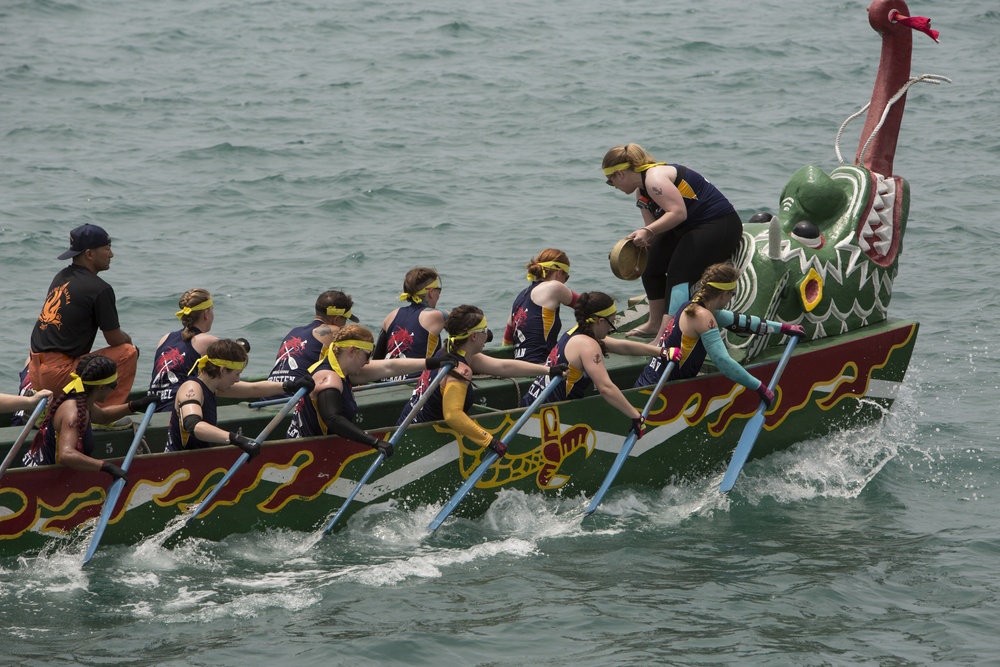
246 457
116 487
630 441
750 432
16 447
445 369
491 457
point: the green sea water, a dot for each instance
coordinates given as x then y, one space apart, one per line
272 150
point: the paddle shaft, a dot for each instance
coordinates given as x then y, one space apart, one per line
492 456
244 457
754 426
16 447
445 369
364 387
630 441
116 487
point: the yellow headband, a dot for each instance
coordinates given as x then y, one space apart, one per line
360 344
725 287
607 312
77 383
415 298
333 311
621 166
187 310
479 327
644 167
557 266
221 363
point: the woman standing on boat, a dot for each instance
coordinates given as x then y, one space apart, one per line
66 436
331 407
195 412
413 331
584 347
534 325
695 329
177 352
688 224
468 334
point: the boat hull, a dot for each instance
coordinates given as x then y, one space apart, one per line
830 384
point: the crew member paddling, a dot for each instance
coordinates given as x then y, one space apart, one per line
178 351
414 330
534 325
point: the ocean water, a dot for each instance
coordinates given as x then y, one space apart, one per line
272 150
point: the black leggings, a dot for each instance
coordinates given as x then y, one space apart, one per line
681 256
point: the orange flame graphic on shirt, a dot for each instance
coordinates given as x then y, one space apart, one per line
53 304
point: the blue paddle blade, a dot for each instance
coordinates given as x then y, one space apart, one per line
442 373
753 428
492 456
627 445
117 486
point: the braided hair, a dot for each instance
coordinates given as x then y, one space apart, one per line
723 272
588 304
190 299
90 367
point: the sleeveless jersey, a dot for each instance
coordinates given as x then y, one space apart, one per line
407 338
702 200
172 365
433 409
44 452
299 350
575 384
178 438
306 421
536 329
672 338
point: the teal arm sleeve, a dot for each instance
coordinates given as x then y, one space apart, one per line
719 355
746 324
678 295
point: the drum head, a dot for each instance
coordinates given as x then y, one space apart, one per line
627 260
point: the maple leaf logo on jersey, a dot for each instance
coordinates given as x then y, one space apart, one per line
171 358
399 343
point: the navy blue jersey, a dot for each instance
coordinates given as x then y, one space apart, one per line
298 351
536 329
575 384
306 421
407 338
178 438
172 365
672 338
43 448
702 200
432 409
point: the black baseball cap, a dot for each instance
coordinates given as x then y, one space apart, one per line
83 238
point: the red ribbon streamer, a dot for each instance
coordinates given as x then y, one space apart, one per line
921 23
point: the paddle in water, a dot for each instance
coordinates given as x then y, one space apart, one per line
16 447
627 446
491 456
116 487
754 426
244 457
445 369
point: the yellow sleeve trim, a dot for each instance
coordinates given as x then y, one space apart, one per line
453 406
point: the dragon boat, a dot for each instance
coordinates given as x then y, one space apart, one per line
827 260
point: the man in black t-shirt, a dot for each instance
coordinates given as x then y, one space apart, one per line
77 305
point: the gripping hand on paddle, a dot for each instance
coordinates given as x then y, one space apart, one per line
140 404
498 446
382 446
638 427
558 370
113 470
292 386
251 447
793 330
765 394
434 363
671 354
